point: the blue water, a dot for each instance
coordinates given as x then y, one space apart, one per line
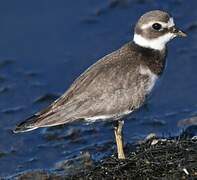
45 45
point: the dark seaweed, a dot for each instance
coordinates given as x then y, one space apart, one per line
167 159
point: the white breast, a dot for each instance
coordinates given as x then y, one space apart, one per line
152 78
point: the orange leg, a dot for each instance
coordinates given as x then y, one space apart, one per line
119 139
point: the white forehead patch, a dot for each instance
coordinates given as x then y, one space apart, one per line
158 43
169 24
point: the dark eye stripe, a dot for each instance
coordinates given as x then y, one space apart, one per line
165 30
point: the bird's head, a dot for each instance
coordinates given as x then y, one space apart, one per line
155 29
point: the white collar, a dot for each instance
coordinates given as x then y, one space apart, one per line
156 43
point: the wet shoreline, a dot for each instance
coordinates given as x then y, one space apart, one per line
152 158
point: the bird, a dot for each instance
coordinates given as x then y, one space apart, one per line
117 84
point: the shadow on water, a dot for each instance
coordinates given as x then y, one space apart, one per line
45 45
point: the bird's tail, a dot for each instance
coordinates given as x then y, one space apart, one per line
27 125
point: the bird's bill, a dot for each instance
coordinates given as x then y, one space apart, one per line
181 34
177 32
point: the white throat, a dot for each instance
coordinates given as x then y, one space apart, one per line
156 43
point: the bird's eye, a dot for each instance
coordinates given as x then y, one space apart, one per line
156 26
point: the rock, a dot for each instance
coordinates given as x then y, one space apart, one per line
151 136
77 164
37 175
